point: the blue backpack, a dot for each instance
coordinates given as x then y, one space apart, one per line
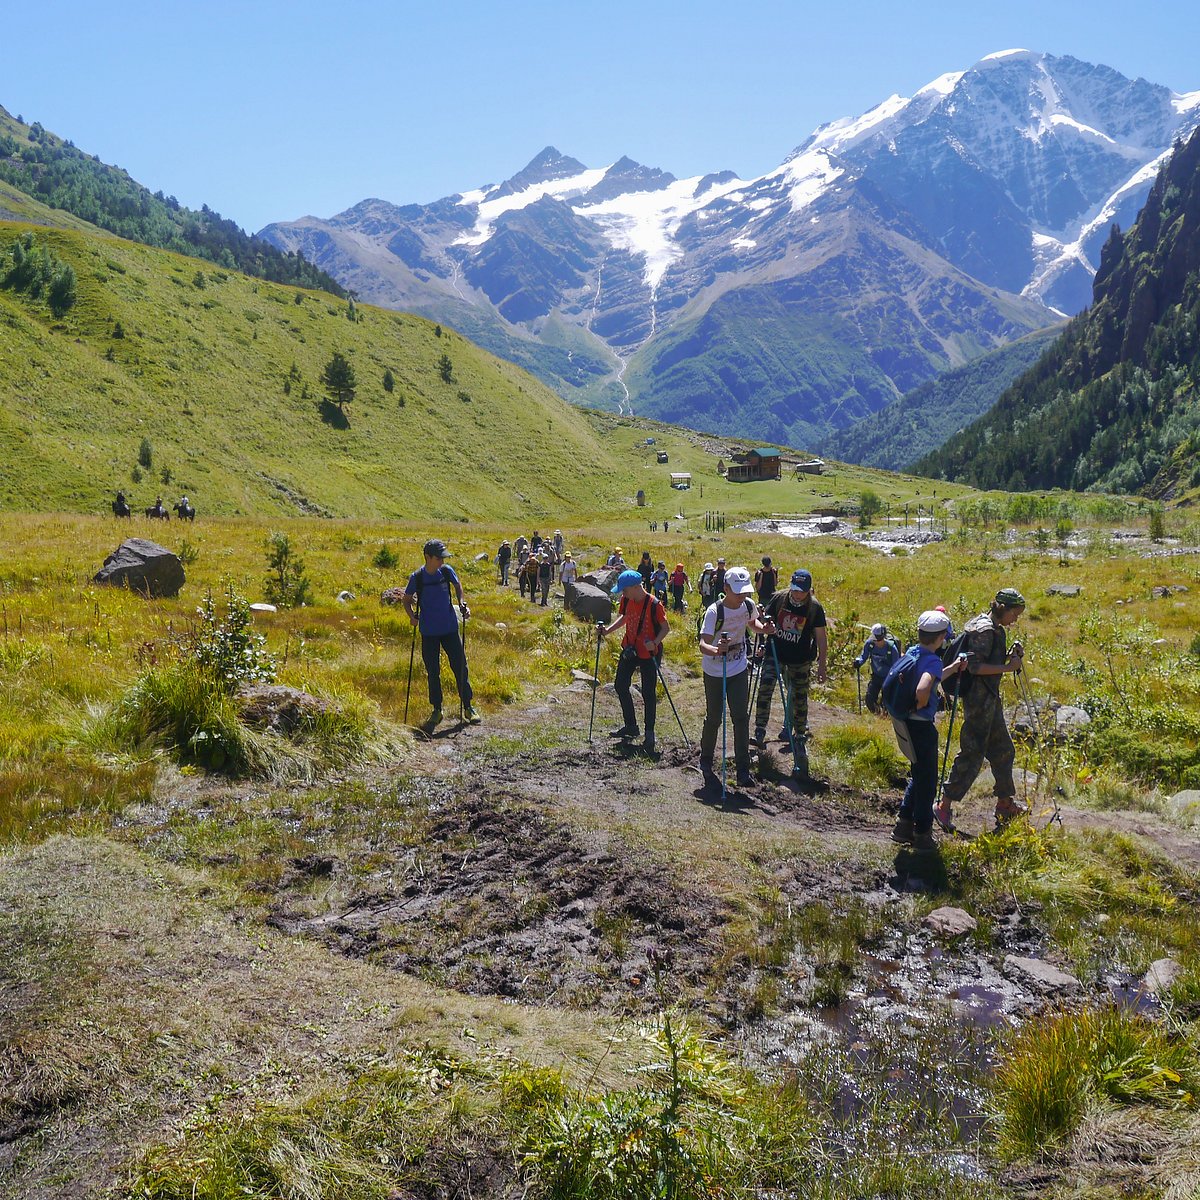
899 691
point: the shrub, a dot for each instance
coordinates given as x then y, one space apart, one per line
287 586
386 559
225 648
146 454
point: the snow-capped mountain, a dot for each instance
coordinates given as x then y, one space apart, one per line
884 249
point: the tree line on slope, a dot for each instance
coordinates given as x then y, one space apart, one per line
1115 403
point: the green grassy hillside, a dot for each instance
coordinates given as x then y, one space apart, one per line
220 374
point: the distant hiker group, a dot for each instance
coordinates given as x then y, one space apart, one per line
183 509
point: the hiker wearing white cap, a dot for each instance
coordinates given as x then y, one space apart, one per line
882 650
559 542
723 632
911 694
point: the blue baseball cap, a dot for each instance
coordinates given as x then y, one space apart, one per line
802 580
626 579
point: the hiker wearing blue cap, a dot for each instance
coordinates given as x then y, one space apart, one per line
644 620
428 599
796 638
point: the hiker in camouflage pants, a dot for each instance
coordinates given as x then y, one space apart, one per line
984 734
797 677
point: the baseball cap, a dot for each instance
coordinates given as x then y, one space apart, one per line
802 580
737 581
878 630
932 621
708 566
1010 598
436 548
626 579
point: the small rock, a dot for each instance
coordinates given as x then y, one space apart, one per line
1069 720
345 597
1185 805
278 708
884 590
1162 976
583 676
826 524
484 557
263 608
1160 592
1064 589
951 922
501 625
1041 976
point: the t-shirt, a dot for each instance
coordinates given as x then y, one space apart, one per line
985 643
795 640
545 569
765 580
678 578
437 616
928 661
570 569
659 580
644 617
733 623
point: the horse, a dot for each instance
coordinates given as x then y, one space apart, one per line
121 509
155 513
185 512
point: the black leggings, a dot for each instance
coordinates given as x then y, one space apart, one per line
623 684
432 646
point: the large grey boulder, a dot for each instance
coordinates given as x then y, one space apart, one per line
1185 805
1064 589
278 708
143 566
605 578
591 604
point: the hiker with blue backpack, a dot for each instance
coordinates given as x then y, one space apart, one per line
429 602
910 695
882 651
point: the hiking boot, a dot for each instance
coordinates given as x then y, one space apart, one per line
944 815
1008 808
744 778
626 731
707 773
924 840
433 720
760 738
473 715
902 831
648 743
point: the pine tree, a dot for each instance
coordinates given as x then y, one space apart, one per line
446 369
62 291
389 380
338 378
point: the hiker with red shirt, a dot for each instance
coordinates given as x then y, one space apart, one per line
679 581
644 620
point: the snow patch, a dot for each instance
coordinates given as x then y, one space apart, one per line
1001 55
943 85
844 132
645 223
743 243
1059 118
1185 102
489 211
810 175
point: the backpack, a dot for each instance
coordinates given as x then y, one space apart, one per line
899 691
768 577
650 604
442 578
961 682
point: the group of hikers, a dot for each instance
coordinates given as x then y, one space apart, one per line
539 562
756 640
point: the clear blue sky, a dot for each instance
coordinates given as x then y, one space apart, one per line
268 110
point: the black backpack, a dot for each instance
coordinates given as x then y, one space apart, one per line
961 682
442 578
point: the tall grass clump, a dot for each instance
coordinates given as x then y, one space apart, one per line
869 755
1057 1069
190 707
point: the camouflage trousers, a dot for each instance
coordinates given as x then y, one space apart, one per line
797 677
983 735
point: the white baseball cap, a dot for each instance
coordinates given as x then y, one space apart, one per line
737 581
932 621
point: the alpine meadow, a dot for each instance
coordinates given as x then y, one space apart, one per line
426 775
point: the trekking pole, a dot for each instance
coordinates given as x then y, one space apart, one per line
785 694
949 735
412 650
595 682
755 670
462 716
858 673
724 710
663 680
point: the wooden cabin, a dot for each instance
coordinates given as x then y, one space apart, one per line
753 465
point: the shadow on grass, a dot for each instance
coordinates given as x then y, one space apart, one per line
332 415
